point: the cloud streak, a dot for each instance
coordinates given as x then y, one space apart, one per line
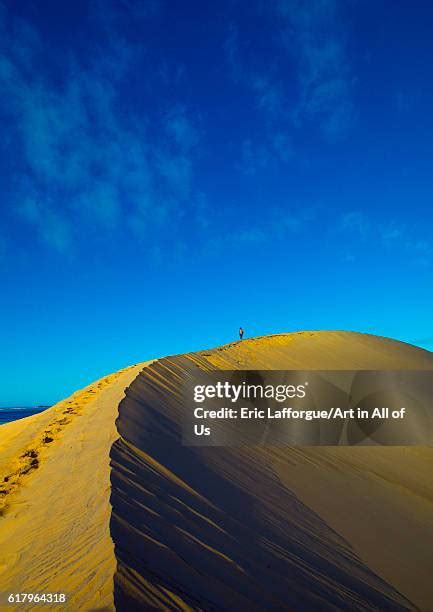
85 162
389 235
314 33
309 80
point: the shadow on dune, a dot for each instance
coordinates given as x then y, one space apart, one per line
214 528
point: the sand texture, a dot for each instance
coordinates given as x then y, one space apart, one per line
118 513
54 497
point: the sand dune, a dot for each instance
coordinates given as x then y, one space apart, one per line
214 528
274 528
54 496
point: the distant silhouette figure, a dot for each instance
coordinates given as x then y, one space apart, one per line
241 333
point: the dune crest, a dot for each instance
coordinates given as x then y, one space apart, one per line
119 515
267 528
54 496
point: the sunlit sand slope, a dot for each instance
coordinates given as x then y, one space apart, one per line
267 528
171 527
54 497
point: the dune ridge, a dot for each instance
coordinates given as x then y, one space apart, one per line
54 496
119 515
274 528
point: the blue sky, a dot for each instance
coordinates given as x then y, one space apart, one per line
171 171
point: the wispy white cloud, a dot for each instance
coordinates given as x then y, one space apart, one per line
355 222
257 155
254 157
269 96
310 79
388 235
231 50
405 101
86 161
279 224
392 232
314 34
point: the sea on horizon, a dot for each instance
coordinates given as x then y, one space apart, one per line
7 415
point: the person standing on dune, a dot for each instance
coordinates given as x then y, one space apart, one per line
241 333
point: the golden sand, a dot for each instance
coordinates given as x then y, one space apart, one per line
54 496
172 527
